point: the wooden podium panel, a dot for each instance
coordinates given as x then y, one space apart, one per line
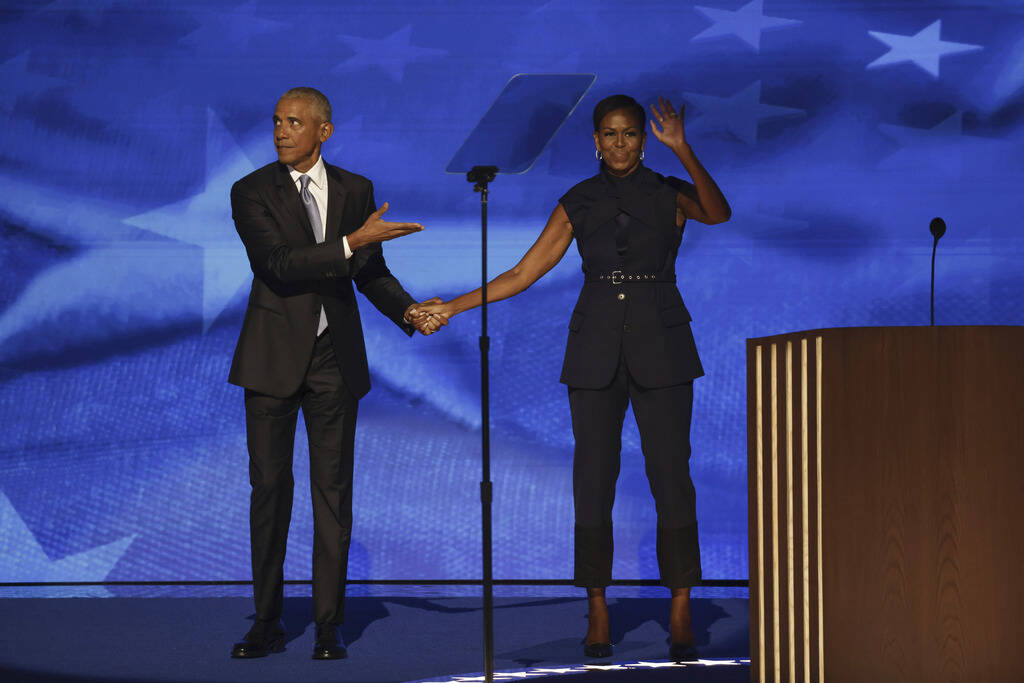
886 501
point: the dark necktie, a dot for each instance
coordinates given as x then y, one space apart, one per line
313 212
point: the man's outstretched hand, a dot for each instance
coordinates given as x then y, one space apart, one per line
377 230
426 323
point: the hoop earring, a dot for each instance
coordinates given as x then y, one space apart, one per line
597 155
641 155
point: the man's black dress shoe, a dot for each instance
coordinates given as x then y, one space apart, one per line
597 650
682 652
329 644
263 638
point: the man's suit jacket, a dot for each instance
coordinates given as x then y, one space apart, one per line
293 276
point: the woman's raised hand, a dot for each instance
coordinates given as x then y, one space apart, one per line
671 124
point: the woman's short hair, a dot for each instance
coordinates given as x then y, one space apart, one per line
616 102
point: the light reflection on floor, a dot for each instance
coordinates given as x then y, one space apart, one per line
544 672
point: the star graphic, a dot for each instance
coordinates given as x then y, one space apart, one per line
1010 78
69 304
747 23
99 296
205 221
21 82
23 559
234 29
946 149
924 48
737 114
390 54
926 147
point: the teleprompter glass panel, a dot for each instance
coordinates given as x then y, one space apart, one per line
521 122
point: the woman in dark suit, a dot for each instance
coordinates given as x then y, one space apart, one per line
629 342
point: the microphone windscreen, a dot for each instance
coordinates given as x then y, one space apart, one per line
938 227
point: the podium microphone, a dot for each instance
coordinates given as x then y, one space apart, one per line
938 229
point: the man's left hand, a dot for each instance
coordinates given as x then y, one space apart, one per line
425 323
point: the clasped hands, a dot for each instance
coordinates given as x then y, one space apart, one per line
428 316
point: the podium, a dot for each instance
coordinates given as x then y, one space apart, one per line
886 504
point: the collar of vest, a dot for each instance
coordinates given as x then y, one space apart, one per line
633 195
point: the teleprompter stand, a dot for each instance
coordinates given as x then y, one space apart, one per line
480 176
508 139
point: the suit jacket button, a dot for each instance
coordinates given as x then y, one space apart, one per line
621 296
626 328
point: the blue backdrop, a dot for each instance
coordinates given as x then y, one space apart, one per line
836 129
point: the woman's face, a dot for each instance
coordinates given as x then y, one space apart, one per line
620 139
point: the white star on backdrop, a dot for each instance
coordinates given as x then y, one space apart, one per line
737 114
205 221
23 559
747 23
924 48
390 54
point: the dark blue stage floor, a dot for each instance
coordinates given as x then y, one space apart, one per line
390 639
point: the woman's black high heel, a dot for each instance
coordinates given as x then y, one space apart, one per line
682 652
597 650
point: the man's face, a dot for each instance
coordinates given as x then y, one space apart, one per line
299 132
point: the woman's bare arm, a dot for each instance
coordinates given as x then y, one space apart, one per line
545 253
709 205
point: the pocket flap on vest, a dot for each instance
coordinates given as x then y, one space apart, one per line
677 315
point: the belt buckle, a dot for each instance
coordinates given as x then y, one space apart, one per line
616 277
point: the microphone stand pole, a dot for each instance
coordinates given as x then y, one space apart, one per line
935 245
480 176
938 228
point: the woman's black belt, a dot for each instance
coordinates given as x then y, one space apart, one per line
618 277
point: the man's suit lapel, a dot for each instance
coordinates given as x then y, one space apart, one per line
335 204
289 197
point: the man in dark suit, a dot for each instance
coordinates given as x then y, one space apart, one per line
310 230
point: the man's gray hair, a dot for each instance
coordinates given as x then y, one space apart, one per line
319 100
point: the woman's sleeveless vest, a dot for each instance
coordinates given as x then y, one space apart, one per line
629 306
